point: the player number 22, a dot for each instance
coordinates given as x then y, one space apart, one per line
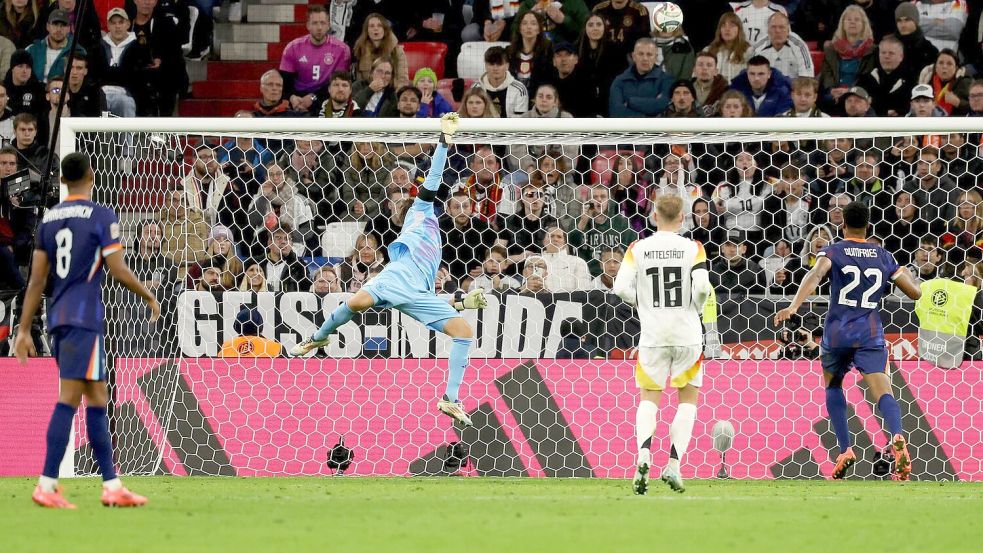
854 274
667 286
63 255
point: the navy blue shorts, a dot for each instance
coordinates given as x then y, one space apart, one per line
867 360
80 353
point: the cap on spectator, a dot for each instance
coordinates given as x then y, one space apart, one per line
117 11
906 10
58 16
21 57
920 91
220 231
685 84
425 72
564 46
736 237
858 92
248 322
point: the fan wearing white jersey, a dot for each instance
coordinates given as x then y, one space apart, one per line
665 277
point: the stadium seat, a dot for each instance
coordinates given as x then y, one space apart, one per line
426 54
338 240
446 86
817 61
471 60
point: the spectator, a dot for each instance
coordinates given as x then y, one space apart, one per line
249 342
565 272
918 51
17 226
50 54
932 190
944 21
491 195
25 91
855 102
432 103
837 202
53 93
780 270
569 81
326 282
732 273
708 84
923 102
378 42
600 227
740 199
377 96
545 106
786 50
183 231
902 227
88 30
272 103
767 90
702 225
848 56
31 152
254 279
927 261
477 103
527 226
976 99
643 89
960 160
210 279
365 185
534 275
409 99
279 205
387 225
552 177
313 171
18 21
600 61
7 49
734 104
576 341
683 103
563 19
754 16
166 75
340 102
805 92
438 21
309 61
245 157
867 187
85 98
122 63
510 97
966 230
730 46
284 271
626 21
675 52
888 84
529 51
818 238
466 238
490 21
949 83
788 209
207 187
396 12
6 117
493 275
610 265
221 255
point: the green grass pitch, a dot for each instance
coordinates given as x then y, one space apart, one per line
501 515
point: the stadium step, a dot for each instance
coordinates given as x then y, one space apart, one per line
257 32
226 90
231 71
213 108
276 2
276 13
251 51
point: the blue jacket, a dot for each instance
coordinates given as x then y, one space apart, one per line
39 55
634 95
778 93
439 106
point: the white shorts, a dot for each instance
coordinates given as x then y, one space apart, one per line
682 365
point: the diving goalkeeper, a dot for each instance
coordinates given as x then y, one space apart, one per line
407 283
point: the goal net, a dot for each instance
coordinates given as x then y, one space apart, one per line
261 227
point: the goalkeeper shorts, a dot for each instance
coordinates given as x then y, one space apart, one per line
681 365
392 289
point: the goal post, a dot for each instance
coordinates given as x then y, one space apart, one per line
244 225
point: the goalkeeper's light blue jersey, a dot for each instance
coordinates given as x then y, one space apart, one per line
419 243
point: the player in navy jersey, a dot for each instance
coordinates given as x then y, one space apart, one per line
75 239
853 335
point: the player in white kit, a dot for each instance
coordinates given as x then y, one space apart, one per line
665 277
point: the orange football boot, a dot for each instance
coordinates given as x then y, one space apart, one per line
122 498
51 500
902 460
843 462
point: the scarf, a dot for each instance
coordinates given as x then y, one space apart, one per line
503 9
852 51
940 89
486 206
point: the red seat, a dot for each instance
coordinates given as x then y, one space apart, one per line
813 45
817 60
445 87
425 54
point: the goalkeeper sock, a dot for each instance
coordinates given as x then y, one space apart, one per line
59 429
681 431
891 412
341 315
836 406
97 424
645 421
460 349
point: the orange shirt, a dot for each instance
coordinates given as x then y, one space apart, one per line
251 346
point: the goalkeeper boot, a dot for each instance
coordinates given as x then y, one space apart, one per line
844 461
51 500
307 346
673 479
640 484
122 497
902 460
454 410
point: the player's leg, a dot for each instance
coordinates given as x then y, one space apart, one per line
361 301
687 378
873 364
836 364
462 337
651 372
114 494
47 493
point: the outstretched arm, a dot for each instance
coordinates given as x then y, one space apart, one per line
448 126
907 284
123 274
808 287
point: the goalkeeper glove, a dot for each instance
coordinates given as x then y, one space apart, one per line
475 299
448 126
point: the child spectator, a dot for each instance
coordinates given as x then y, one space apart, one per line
432 103
493 275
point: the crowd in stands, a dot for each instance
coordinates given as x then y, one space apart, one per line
260 214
